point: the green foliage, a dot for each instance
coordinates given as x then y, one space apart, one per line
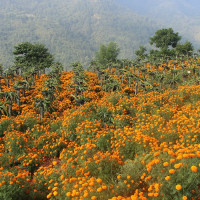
28 124
165 38
140 53
185 49
28 55
107 54
4 126
103 142
134 169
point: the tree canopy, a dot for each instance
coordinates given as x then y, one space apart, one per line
185 49
107 54
164 38
28 55
168 44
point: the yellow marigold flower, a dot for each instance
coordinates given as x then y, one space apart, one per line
49 195
167 178
54 162
55 184
55 188
55 193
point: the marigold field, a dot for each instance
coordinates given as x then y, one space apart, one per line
102 135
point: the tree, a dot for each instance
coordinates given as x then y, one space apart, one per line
28 55
1 69
164 38
140 53
57 68
185 49
107 54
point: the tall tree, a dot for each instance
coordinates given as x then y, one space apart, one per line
166 40
107 54
28 55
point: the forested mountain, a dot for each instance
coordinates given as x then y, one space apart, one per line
72 30
182 15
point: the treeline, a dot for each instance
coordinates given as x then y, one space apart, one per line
166 45
170 65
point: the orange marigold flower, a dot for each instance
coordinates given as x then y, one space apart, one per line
194 168
118 177
177 166
68 194
165 164
104 187
128 177
178 187
156 194
62 177
99 189
99 180
171 171
55 184
172 160
184 198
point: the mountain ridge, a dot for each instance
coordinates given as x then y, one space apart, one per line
73 30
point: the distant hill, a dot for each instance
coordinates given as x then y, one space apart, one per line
182 15
73 30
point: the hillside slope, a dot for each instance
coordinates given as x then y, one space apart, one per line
72 30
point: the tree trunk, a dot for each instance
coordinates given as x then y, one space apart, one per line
135 88
7 82
10 109
41 112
